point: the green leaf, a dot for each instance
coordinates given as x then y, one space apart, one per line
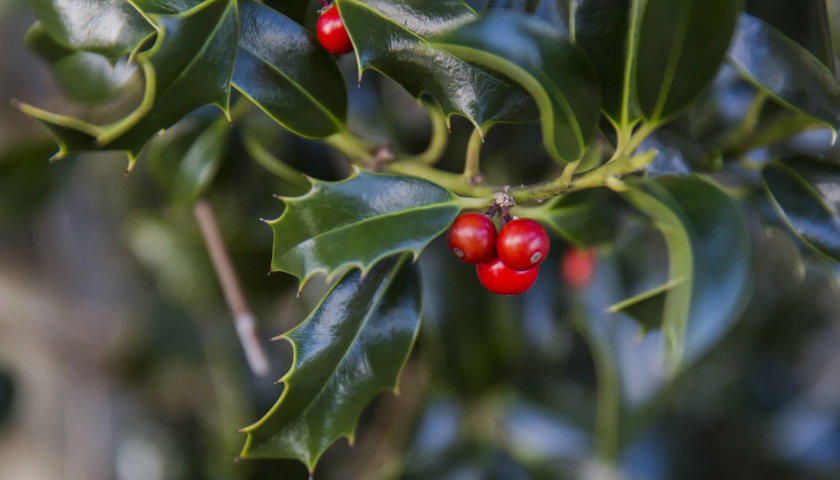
804 192
82 76
543 62
681 46
108 27
607 31
165 6
190 65
392 38
803 21
282 69
584 218
352 346
785 70
709 261
186 162
357 222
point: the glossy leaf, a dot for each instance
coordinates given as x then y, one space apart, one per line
190 65
393 39
82 76
109 27
352 346
804 192
165 6
583 218
544 63
681 46
606 31
357 222
785 70
806 22
282 69
709 260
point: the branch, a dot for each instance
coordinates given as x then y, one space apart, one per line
243 320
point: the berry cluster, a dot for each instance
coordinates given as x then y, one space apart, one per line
507 263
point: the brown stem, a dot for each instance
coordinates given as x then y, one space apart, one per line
243 319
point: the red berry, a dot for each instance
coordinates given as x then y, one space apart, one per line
522 244
331 32
499 278
472 238
579 266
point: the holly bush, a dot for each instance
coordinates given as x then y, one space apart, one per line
659 142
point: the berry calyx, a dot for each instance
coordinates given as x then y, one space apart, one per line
522 244
503 280
472 238
331 32
578 267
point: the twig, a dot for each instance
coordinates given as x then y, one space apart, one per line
243 320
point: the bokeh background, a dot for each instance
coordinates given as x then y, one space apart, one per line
119 359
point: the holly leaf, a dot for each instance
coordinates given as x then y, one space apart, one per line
393 39
282 69
583 218
189 65
709 261
785 70
165 6
803 21
357 222
804 192
82 76
607 30
186 158
351 347
108 27
681 46
542 61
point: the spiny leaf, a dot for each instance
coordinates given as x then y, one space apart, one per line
190 65
804 191
543 62
352 346
109 27
785 70
358 221
392 38
709 260
681 46
282 69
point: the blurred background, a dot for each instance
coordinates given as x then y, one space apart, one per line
119 358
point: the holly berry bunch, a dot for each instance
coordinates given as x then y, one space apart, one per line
507 262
